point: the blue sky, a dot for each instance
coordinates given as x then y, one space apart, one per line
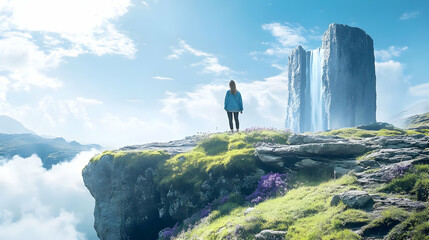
123 72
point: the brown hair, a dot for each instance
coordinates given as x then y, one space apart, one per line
232 87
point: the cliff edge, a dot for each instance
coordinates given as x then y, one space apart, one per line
370 181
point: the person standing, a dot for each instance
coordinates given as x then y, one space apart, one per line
233 105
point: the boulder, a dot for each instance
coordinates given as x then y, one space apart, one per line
353 199
335 200
270 235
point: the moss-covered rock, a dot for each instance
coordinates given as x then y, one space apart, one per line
380 226
357 133
204 191
138 192
415 227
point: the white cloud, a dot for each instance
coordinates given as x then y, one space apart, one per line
36 36
88 101
84 24
200 103
118 131
392 86
264 104
288 36
134 100
388 54
4 82
45 204
25 63
162 78
209 62
409 15
96 123
57 111
421 90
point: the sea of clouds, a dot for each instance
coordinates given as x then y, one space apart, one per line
36 203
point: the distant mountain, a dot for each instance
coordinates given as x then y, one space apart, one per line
418 121
9 125
50 150
15 139
403 118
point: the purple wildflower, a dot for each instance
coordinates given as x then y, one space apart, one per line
168 232
224 199
206 211
257 129
269 185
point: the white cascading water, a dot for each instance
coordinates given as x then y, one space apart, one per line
315 80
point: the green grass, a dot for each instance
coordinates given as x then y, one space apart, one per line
372 170
230 156
365 156
219 155
415 227
132 159
189 170
350 218
355 133
215 145
415 183
305 212
383 224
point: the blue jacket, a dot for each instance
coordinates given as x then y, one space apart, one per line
233 102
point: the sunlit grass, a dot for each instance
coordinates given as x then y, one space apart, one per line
355 133
305 212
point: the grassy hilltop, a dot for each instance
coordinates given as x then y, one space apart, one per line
261 197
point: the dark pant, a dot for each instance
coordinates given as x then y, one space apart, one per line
237 124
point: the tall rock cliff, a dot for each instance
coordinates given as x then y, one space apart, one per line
296 87
333 86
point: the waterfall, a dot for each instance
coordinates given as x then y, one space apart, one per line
315 71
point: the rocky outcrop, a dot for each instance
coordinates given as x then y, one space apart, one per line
404 203
127 201
333 86
339 155
319 150
130 204
383 174
172 147
353 199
